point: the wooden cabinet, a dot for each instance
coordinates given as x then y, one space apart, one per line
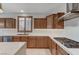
40 23
31 42
60 24
19 39
2 23
16 39
23 38
37 42
50 45
54 48
50 21
1 39
53 22
10 23
7 23
60 51
42 42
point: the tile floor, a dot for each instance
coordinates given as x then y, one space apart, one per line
38 52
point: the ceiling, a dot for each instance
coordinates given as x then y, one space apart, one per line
33 7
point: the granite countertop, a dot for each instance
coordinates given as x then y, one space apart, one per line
10 48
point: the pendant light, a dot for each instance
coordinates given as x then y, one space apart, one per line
1 9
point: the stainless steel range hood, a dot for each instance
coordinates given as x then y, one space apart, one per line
72 11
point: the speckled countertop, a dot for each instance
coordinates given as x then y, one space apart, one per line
10 48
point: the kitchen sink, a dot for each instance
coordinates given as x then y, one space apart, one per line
67 42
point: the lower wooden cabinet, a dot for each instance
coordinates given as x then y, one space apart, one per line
42 42
60 51
31 42
16 39
54 48
37 42
23 38
19 38
50 45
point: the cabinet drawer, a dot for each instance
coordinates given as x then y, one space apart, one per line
16 39
23 38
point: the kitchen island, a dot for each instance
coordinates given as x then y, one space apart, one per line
12 48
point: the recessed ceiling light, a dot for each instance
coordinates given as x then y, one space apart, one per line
22 11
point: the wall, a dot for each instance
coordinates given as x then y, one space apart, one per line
72 29
14 15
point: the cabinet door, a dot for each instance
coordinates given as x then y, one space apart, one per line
0 38
16 39
31 42
55 21
2 22
60 51
54 48
42 42
50 45
14 23
40 23
60 23
50 21
23 38
10 23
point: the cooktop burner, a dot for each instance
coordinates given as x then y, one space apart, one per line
67 42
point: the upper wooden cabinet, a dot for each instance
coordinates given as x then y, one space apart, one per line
53 22
10 23
60 24
7 23
50 21
2 23
40 23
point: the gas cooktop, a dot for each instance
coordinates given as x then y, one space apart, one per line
67 42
